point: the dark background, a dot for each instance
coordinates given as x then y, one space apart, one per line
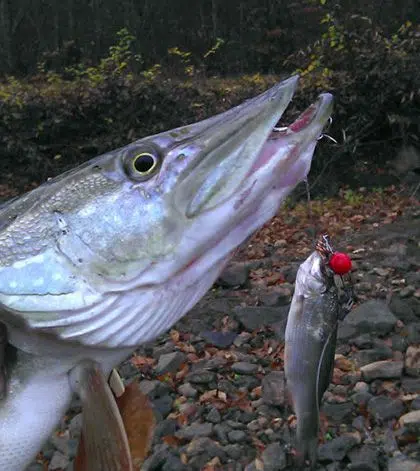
80 78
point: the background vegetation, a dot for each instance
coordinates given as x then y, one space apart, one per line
81 78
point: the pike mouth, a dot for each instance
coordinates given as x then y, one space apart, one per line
310 122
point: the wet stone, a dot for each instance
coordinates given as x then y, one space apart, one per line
154 388
336 449
157 459
163 405
361 399
277 296
273 388
384 408
245 368
169 362
219 339
247 382
205 445
415 405
407 291
382 370
363 341
413 333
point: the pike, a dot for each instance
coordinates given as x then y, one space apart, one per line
310 340
110 255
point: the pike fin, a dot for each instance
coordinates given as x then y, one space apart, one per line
105 444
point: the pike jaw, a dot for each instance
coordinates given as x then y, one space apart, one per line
137 236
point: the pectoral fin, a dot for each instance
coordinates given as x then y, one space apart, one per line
105 440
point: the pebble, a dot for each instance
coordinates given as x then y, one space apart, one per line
411 420
382 370
273 388
233 450
257 317
371 316
201 377
244 368
195 430
188 390
384 408
237 436
235 274
214 416
364 357
274 457
170 362
364 458
58 461
337 448
412 360
403 463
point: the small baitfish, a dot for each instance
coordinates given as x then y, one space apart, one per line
110 255
310 340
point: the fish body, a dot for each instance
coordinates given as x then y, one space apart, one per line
309 352
110 255
310 341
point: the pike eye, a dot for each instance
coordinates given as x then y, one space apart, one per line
143 165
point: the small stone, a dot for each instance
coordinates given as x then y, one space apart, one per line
164 428
412 360
174 463
399 343
202 377
163 404
75 426
234 451
381 271
277 296
244 368
384 408
61 442
410 385
214 416
371 316
219 339
205 445
411 420
274 457
364 357
403 463
382 370
256 317
237 436
187 390
415 405
58 461
235 274
336 449
364 458
361 387
153 388
338 412
169 362
402 309
363 341
195 430
407 291
273 388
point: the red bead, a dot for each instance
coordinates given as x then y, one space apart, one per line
340 263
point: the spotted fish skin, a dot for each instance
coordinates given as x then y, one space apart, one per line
310 341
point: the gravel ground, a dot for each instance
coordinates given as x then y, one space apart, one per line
216 381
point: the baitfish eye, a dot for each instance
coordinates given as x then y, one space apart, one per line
143 165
